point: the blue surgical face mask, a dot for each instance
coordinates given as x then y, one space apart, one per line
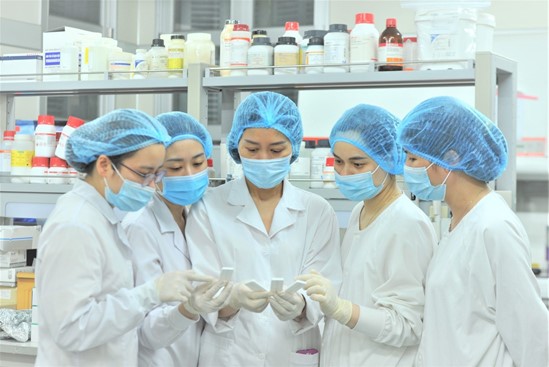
418 182
360 186
266 173
131 197
185 190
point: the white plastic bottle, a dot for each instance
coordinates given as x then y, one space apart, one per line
315 55
22 152
318 160
301 167
286 52
328 173
291 29
58 172
140 64
176 55
39 170
73 123
336 49
199 49
240 43
158 59
44 136
363 42
5 152
225 46
260 54
120 64
72 175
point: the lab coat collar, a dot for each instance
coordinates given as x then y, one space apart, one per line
163 216
285 212
90 194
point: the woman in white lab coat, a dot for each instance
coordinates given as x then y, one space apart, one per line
170 334
89 309
376 319
264 228
483 304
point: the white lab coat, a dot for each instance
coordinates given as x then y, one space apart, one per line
225 229
89 310
483 304
166 338
384 268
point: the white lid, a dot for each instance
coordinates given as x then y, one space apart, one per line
486 19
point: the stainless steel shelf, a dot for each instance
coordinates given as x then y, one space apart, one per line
60 88
343 80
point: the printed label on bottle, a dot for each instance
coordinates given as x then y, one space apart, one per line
390 52
21 158
314 58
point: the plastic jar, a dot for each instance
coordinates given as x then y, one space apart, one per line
120 64
486 23
363 42
301 168
328 173
446 34
291 29
336 48
286 52
22 152
58 172
199 49
240 43
72 124
39 170
140 64
158 59
318 159
44 136
96 58
315 55
5 152
260 54
410 53
176 56
258 33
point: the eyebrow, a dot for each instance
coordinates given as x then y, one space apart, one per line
357 158
275 143
182 160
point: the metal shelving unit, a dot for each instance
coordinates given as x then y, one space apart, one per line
493 77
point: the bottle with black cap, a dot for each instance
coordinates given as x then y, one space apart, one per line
286 52
260 54
336 49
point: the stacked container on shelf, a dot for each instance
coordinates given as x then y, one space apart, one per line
363 42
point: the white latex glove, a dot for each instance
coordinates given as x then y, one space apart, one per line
243 297
176 286
203 300
287 306
321 290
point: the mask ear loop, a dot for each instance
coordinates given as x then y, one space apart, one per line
385 179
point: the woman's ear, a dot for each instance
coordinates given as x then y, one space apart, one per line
103 166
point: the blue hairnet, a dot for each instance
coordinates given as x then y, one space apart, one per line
118 132
453 135
373 130
182 126
266 110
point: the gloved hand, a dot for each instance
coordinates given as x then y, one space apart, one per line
243 297
287 306
176 286
321 290
203 300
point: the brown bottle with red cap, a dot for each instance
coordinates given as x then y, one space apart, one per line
390 47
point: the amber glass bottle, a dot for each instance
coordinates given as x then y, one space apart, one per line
390 47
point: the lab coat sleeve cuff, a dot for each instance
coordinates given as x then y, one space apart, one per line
371 322
179 321
147 295
221 326
311 319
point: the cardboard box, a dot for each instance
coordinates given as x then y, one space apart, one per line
61 49
25 285
28 64
8 297
12 259
8 277
19 237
